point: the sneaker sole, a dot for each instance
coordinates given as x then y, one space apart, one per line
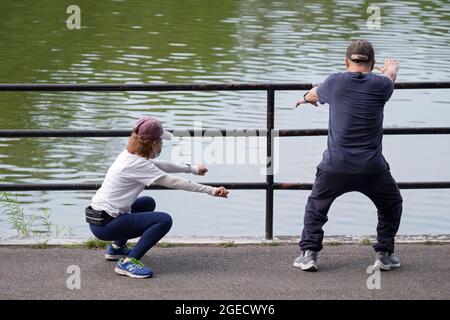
111 257
386 267
126 273
311 266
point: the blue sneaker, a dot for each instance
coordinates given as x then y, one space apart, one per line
116 254
133 268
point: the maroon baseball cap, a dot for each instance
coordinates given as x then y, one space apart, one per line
149 128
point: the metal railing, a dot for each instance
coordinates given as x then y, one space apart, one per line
270 88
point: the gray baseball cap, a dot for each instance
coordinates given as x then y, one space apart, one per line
360 51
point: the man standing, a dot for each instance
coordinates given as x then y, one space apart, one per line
353 160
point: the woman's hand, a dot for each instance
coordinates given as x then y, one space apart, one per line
221 192
202 169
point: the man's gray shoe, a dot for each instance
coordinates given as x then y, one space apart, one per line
386 261
307 261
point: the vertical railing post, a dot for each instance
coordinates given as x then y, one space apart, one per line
270 163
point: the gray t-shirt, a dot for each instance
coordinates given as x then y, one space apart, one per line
355 122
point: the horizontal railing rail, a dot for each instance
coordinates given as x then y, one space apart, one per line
196 86
208 132
228 185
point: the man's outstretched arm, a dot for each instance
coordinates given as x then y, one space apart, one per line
310 97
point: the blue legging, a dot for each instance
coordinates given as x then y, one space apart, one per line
143 222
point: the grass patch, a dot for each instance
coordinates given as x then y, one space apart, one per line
333 243
16 217
41 226
94 243
433 243
228 244
73 246
167 245
41 245
365 242
272 244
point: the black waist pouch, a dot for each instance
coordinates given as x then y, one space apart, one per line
97 217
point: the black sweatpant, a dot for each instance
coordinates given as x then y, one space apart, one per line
380 188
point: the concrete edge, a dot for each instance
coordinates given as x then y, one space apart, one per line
232 241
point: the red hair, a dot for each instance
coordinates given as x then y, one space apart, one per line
139 146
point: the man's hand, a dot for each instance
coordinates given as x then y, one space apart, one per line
389 64
309 97
303 101
202 169
221 192
390 68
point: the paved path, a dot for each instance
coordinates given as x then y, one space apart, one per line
211 272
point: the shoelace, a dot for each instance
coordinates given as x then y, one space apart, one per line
123 248
308 253
137 263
